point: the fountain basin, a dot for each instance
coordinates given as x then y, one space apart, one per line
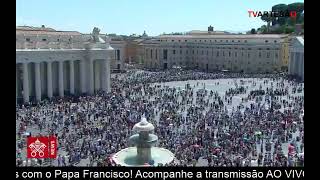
151 140
128 156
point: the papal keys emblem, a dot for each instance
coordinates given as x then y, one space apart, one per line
41 147
37 148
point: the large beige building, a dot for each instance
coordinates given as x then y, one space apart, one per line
57 63
119 45
252 53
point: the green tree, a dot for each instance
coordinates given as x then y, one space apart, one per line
263 29
298 8
279 8
267 19
253 31
288 29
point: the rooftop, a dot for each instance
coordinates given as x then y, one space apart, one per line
301 40
30 30
199 32
237 36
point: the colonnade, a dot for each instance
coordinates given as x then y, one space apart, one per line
55 78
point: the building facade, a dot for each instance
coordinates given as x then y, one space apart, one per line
296 62
234 52
119 46
58 63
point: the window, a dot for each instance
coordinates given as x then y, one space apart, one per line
275 41
28 39
118 54
245 41
165 54
235 54
217 53
192 51
276 55
207 52
173 51
248 55
200 40
205 40
266 41
268 54
197 52
185 40
172 40
259 54
151 53
248 62
180 51
202 52
179 40
156 54
222 53
242 53
210 40
186 51
229 54
238 40
226 40
232 40
220 40
44 39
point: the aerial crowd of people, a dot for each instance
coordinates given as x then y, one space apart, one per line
257 121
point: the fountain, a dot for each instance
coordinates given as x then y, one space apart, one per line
143 153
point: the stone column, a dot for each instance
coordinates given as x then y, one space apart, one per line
17 69
104 75
91 79
108 71
296 63
82 76
302 67
97 75
25 83
71 77
38 81
49 79
61 88
289 65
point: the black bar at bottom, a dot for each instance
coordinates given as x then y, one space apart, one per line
72 173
